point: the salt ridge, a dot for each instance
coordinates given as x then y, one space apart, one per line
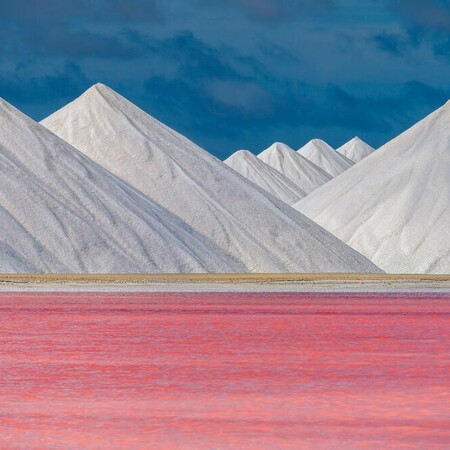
394 206
264 176
62 213
263 232
303 173
356 150
325 157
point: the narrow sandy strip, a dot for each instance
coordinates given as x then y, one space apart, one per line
227 283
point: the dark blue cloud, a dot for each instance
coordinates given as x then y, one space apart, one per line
425 14
384 112
389 42
235 73
398 43
26 89
73 29
442 48
272 11
73 44
206 97
207 89
426 21
49 11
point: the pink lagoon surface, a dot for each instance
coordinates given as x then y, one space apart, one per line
224 371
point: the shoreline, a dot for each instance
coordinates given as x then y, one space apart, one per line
364 283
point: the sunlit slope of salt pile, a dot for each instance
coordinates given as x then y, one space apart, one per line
356 150
304 174
60 212
394 206
264 176
263 232
324 156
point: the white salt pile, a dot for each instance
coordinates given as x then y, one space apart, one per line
264 176
62 213
324 156
303 173
356 150
394 206
263 232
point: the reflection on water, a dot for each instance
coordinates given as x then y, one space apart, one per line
224 371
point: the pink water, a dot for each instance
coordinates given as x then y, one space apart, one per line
224 371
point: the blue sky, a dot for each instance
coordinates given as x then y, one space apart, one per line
234 74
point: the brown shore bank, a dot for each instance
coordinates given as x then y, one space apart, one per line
211 282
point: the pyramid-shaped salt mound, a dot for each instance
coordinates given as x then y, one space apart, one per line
264 233
62 213
394 206
303 173
324 156
356 150
264 176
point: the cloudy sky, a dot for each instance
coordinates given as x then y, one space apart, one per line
233 74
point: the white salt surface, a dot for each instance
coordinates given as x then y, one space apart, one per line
264 176
366 287
263 232
356 150
324 156
303 173
394 206
62 213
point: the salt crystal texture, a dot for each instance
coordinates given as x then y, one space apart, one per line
324 156
62 213
356 150
303 173
261 231
264 176
394 206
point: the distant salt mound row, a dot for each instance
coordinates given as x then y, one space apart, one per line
302 172
356 150
264 176
263 232
394 206
325 157
62 213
